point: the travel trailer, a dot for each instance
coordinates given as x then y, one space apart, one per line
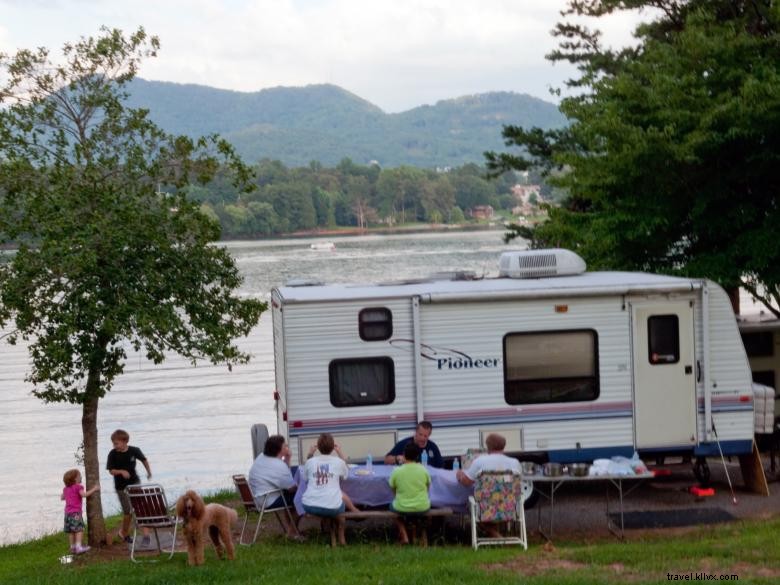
568 365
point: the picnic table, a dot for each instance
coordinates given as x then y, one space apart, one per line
370 488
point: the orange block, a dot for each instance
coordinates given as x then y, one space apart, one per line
701 492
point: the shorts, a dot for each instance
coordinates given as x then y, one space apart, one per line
74 523
285 500
408 513
326 512
124 501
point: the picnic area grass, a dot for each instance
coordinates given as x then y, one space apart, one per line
744 551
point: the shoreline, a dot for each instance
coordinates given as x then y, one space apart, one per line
348 232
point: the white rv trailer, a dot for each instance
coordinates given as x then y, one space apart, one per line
568 365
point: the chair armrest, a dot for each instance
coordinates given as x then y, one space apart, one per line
260 499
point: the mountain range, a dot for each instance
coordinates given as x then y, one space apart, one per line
326 123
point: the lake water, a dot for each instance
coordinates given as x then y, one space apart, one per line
193 423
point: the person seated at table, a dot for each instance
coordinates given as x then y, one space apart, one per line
348 505
421 438
410 484
323 496
493 460
271 471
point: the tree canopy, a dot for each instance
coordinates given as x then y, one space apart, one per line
670 157
106 259
316 197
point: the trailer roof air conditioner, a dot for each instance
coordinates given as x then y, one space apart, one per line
540 263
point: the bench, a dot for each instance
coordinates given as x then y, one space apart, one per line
389 514
366 514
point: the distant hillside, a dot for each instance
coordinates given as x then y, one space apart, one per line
327 123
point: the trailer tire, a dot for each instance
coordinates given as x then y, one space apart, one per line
530 494
701 470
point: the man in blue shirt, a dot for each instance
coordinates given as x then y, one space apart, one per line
421 439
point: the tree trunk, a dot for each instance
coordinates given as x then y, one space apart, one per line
733 292
95 521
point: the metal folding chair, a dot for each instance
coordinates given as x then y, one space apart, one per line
150 510
498 497
259 504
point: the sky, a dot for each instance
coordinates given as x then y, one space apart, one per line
397 54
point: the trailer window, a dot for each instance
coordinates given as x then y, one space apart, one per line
551 366
362 381
663 339
759 344
375 324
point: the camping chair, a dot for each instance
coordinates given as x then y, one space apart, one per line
498 497
259 504
150 510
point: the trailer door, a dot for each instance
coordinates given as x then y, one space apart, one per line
664 375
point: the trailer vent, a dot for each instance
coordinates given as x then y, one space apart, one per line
540 263
295 282
455 275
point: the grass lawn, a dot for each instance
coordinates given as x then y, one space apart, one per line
744 551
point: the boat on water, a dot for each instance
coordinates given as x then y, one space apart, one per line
323 246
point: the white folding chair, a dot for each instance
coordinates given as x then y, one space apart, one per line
498 498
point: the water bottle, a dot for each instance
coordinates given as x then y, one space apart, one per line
456 464
424 457
369 463
637 465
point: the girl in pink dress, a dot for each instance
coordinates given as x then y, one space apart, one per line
73 493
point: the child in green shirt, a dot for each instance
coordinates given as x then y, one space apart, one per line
410 483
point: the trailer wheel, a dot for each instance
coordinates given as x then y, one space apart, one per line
702 471
529 493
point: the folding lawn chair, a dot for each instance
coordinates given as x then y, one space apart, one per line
150 510
498 497
259 504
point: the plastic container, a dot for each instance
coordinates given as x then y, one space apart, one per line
456 464
424 457
370 462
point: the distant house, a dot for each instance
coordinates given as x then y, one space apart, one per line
520 214
528 198
523 192
482 212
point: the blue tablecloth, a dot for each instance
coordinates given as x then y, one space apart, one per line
374 490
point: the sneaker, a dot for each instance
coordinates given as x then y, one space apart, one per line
296 538
146 541
81 549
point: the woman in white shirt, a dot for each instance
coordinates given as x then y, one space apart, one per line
323 474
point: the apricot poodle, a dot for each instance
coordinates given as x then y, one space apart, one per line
200 518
